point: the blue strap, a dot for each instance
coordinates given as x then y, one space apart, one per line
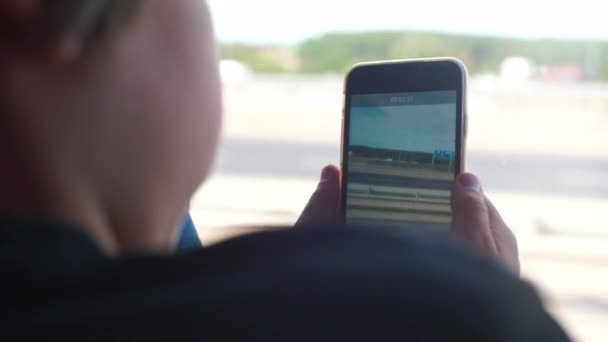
188 239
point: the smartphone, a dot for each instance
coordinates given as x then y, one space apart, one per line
403 138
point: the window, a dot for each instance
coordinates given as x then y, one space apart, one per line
538 108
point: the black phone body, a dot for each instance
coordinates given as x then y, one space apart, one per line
403 139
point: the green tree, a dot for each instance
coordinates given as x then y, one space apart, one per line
337 52
258 58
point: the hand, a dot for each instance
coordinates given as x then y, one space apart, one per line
323 204
476 220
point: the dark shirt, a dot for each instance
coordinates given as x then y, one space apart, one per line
306 284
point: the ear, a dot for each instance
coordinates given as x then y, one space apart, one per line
67 49
29 27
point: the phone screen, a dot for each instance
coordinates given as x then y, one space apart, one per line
401 159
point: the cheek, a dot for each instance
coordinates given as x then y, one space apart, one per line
198 86
202 125
188 93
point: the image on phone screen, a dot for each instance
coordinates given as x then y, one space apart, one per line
401 155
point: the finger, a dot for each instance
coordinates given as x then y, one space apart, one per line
323 204
470 214
506 243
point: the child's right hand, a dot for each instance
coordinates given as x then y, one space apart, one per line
477 221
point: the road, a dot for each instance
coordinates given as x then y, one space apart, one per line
398 181
504 172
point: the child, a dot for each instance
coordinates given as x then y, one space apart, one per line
110 119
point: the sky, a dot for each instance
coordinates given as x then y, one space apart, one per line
418 128
291 21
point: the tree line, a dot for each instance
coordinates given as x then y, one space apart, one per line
336 52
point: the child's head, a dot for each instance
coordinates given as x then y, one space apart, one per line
110 113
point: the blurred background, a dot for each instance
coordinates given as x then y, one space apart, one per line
538 125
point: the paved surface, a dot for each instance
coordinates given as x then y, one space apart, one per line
397 168
398 181
500 171
559 120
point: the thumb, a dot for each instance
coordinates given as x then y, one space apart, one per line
323 204
470 213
